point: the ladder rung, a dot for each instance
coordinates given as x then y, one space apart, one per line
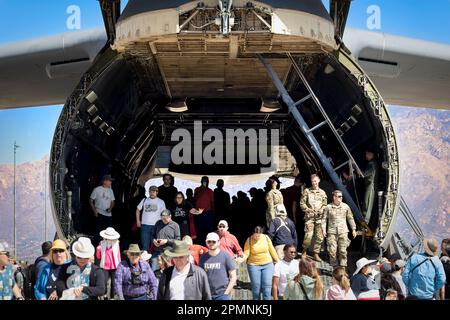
302 100
341 165
318 126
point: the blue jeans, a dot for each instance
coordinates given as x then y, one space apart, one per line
143 297
222 297
154 260
146 236
261 279
102 222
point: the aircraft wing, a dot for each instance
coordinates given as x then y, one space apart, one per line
406 71
44 71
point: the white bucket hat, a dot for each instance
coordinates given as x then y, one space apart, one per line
109 234
361 263
146 256
83 248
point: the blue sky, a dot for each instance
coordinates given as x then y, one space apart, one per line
33 128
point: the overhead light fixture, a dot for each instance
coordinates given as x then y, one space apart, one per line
269 105
345 127
177 105
103 126
328 69
110 130
352 120
92 110
356 110
91 97
97 120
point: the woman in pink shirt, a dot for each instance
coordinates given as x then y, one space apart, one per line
108 252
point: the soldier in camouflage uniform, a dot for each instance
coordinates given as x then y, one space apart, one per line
335 218
370 182
312 202
273 198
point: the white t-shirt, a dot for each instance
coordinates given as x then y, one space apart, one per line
285 271
152 210
177 283
102 199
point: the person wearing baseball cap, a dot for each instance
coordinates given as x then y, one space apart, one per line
165 232
424 273
45 287
220 269
102 202
228 242
148 212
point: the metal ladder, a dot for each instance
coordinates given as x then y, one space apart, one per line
293 109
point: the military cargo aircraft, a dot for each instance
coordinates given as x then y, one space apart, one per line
283 65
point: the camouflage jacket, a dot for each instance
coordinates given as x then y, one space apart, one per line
312 202
335 218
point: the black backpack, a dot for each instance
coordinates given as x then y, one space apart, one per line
29 280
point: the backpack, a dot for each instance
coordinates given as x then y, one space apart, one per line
29 280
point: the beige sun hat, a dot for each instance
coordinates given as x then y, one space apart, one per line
431 246
179 249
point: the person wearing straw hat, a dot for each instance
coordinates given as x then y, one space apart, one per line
81 280
361 281
45 286
108 251
424 273
184 280
134 278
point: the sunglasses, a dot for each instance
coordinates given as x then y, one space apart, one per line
5 253
135 254
222 227
291 252
211 241
58 251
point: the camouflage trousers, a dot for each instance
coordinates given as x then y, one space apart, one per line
313 229
338 242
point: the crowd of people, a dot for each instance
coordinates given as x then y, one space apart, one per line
187 251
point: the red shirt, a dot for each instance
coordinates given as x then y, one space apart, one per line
204 198
198 250
230 244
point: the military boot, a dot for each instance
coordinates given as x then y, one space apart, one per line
317 258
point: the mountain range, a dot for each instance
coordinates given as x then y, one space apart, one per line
423 137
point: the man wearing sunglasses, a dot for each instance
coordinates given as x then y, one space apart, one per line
285 270
8 286
334 227
220 269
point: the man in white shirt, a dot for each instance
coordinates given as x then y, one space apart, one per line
285 269
102 202
184 280
151 209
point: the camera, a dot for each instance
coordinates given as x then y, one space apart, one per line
136 277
